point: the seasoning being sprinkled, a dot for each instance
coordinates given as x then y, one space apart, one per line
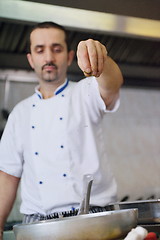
87 74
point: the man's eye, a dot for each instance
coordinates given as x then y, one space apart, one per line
39 50
57 49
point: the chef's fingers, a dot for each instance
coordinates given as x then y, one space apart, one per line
91 56
83 58
101 57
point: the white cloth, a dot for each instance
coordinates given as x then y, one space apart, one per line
51 143
138 233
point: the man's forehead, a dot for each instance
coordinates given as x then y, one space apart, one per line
41 35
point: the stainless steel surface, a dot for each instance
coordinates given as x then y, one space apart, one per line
72 17
148 210
95 226
155 227
87 184
8 235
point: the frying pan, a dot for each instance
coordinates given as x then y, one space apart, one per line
84 226
148 210
94 226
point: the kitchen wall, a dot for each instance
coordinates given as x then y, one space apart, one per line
133 141
132 138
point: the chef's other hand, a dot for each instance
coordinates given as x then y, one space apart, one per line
91 55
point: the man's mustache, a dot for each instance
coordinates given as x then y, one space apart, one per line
49 64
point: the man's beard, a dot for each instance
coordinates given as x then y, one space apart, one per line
49 75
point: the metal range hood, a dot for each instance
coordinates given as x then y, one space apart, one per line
133 42
72 18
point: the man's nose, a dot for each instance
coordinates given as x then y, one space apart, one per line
49 56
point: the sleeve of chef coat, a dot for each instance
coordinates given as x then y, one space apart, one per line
10 151
91 86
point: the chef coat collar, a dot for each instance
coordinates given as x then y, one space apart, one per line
56 92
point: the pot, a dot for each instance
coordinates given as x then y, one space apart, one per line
94 226
148 210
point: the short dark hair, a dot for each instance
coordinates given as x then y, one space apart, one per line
48 25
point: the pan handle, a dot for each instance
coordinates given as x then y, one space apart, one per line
87 184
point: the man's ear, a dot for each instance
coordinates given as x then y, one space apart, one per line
29 57
70 57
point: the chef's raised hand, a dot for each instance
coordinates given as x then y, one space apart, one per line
93 61
91 56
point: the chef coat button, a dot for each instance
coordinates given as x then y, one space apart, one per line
33 127
61 118
62 146
62 95
64 175
33 105
36 153
40 182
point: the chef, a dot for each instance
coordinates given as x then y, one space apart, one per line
55 137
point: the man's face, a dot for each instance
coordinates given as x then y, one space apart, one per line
49 56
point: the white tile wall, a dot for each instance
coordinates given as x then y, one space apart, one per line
132 137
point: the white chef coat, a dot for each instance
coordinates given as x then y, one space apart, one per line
51 143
